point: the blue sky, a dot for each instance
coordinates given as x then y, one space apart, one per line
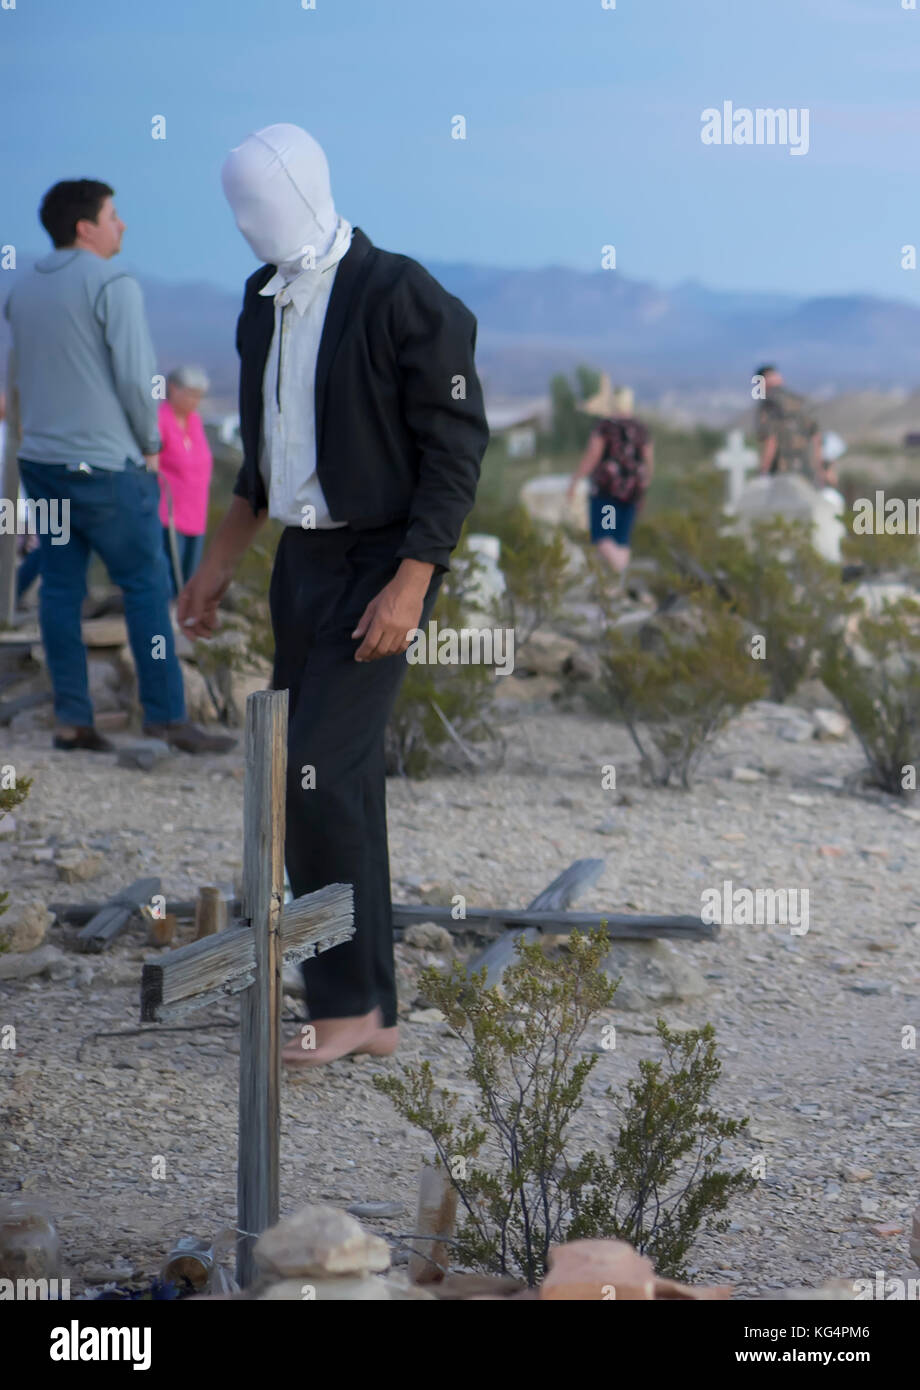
583 129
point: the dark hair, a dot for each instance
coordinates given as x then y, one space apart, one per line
70 202
762 371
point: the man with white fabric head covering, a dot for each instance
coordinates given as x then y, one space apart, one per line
363 430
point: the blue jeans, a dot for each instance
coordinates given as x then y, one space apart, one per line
115 514
28 571
191 549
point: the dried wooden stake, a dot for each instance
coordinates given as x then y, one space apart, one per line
160 930
436 1216
210 912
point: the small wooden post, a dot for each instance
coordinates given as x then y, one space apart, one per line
260 1006
436 1216
210 912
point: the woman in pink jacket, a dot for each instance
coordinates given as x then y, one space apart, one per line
185 469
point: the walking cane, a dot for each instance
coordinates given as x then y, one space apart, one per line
180 581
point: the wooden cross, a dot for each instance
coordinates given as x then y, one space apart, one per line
246 957
736 460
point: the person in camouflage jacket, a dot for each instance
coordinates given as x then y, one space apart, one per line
790 441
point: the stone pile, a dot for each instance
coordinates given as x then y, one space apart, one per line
321 1252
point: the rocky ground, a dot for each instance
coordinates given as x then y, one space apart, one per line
811 1028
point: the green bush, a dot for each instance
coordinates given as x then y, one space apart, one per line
520 1188
880 553
790 595
875 674
690 551
642 1194
774 579
536 573
10 797
677 680
442 717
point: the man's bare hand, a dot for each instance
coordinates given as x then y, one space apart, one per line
388 619
199 600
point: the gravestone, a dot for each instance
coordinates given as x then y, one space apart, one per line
545 499
736 459
793 497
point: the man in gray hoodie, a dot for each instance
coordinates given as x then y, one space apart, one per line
83 369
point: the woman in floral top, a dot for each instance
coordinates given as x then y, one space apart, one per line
619 460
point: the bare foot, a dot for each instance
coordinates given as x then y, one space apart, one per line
330 1038
384 1042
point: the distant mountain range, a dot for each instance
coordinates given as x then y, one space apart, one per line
688 344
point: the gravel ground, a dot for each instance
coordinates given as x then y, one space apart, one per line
809 1026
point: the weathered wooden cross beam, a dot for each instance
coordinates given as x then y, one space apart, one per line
246 959
549 912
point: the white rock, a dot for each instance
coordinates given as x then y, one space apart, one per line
78 866
545 499
320 1240
38 962
651 972
830 723
426 1016
23 926
427 936
545 653
486 583
851 1174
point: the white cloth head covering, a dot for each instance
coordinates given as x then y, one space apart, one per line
277 185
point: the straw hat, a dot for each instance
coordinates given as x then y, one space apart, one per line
609 400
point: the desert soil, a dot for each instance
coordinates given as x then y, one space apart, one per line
810 1028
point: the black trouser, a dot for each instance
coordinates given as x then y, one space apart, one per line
338 708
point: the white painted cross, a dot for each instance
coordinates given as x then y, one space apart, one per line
735 460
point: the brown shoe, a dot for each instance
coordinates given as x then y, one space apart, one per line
82 736
188 738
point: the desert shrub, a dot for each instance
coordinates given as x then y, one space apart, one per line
571 428
790 595
520 1187
13 791
682 483
879 553
874 671
677 680
536 573
442 717
774 579
662 1181
691 549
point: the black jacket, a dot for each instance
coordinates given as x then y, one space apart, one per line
400 423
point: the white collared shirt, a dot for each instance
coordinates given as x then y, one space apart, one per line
287 454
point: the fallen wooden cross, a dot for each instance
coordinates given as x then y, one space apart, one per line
113 916
548 912
482 921
489 921
245 958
